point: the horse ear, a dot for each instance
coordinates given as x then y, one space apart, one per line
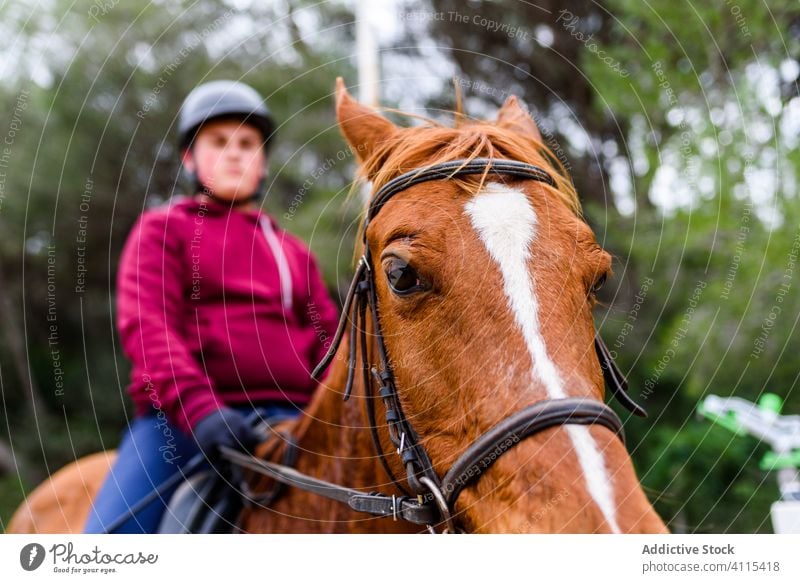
362 127
514 117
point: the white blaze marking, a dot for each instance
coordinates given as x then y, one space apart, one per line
506 223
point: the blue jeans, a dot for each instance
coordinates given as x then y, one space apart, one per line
152 450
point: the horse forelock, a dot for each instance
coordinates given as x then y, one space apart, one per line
411 148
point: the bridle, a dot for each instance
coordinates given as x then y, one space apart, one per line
362 296
430 498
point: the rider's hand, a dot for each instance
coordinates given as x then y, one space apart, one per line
225 426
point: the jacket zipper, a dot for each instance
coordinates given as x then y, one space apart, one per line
284 273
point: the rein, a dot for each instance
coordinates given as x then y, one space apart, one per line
432 499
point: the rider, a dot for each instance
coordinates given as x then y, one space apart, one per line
219 310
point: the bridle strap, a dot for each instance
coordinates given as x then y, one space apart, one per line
367 375
501 438
358 277
413 455
614 378
448 170
399 507
470 466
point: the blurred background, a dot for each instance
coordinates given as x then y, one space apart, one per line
678 120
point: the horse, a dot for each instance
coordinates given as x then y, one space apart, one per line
471 315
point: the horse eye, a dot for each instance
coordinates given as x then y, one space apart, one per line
403 279
598 285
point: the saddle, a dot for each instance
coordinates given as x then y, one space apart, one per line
209 502
203 504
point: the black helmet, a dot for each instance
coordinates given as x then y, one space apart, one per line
218 99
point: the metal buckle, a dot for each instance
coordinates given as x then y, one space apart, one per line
441 504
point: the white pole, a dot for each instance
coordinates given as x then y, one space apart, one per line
367 58
367 54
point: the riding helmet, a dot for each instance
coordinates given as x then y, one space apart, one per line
221 99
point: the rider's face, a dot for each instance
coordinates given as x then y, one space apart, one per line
228 158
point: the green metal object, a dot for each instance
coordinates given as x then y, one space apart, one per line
776 461
780 461
728 421
768 402
771 402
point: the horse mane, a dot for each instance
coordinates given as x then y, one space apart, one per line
434 143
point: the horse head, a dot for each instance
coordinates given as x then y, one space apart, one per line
483 286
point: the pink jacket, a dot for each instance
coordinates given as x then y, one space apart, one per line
218 307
